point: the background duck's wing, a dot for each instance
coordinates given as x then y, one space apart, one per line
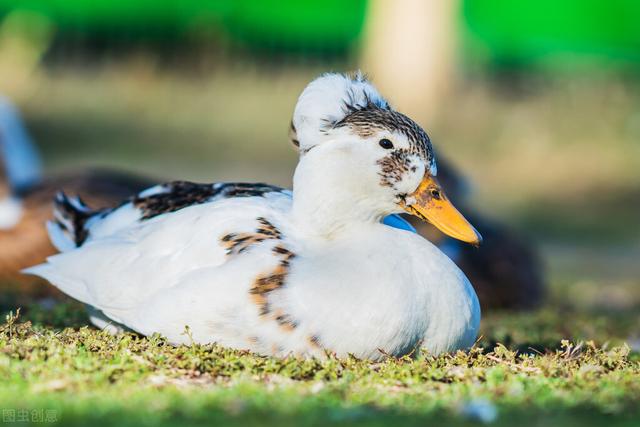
396 221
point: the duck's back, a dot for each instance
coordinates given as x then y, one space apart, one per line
119 260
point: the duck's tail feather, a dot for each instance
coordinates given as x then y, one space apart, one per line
68 229
74 288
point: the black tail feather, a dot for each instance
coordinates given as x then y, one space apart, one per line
71 214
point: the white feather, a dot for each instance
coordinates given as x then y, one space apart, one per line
61 279
59 237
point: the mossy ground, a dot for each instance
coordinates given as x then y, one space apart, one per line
87 377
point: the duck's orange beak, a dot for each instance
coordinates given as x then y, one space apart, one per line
429 203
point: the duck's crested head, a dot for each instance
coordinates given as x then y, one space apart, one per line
334 102
368 155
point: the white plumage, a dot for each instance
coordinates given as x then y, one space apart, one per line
260 268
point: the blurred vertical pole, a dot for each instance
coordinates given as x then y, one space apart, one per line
409 52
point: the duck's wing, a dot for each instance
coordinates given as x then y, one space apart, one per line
75 223
123 257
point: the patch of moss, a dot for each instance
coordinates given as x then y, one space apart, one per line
90 377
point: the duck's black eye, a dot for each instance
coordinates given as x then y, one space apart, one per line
386 144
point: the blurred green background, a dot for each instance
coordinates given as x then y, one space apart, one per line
537 103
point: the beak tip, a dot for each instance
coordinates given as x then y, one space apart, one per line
476 241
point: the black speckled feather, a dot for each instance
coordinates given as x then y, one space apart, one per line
169 198
182 194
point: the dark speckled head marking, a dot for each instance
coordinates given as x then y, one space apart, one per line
368 120
365 113
338 101
394 166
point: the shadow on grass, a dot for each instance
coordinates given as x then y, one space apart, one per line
55 312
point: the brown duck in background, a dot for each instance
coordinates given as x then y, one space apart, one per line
506 272
26 202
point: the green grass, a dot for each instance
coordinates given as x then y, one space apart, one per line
89 377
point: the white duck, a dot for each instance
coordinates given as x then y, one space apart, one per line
252 266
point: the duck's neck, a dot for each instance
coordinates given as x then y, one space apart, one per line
327 203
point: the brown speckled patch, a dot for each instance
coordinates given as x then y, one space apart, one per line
236 243
285 321
366 121
271 281
314 341
394 166
266 283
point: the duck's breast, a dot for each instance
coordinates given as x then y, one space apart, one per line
384 291
452 308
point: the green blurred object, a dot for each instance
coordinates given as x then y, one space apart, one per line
330 25
550 32
502 33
